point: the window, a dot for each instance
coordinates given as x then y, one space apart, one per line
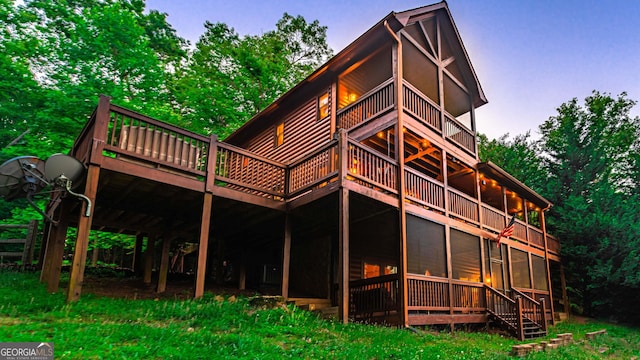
279 136
465 256
520 266
426 252
539 273
323 106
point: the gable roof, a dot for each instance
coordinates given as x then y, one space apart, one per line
376 35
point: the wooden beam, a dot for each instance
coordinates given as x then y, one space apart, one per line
286 256
149 255
203 245
343 257
84 228
164 265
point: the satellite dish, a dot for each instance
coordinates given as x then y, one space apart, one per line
58 165
24 176
21 176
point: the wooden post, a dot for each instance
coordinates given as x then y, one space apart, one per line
519 318
565 298
544 314
546 263
164 265
136 263
95 253
286 256
203 245
54 252
27 254
242 274
343 258
148 259
84 228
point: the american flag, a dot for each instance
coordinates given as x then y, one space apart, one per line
507 231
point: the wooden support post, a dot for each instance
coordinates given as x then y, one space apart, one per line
519 318
84 228
136 263
54 252
164 265
286 256
203 245
95 253
27 254
149 255
544 314
242 275
563 284
220 265
343 258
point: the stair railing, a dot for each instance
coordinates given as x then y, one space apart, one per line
533 310
504 309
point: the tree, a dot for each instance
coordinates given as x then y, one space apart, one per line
519 157
67 53
590 153
230 78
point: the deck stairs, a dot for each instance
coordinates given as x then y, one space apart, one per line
522 316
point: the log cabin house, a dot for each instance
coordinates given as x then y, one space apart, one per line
361 188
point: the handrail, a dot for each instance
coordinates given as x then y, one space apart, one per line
376 101
532 309
431 195
470 214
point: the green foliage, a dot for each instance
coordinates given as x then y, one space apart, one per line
589 154
587 163
229 327
229 78
520 157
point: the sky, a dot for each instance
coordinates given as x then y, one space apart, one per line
529 56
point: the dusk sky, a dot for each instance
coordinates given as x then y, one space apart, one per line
530 56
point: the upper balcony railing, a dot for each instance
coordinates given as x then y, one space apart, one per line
424 109
373 103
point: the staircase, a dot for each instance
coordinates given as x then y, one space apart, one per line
522 316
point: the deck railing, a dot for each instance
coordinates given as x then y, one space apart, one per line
553 244
536 237
313 169
428 293
459 134
372 168
463 206
519 230
374 297
421 107
145 139
370 105
503 307
243 169
492 218
424 190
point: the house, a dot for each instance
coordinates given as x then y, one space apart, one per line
361 187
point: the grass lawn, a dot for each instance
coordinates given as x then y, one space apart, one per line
217 327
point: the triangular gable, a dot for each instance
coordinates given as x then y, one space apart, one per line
452 46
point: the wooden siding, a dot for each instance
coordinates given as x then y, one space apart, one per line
302 132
